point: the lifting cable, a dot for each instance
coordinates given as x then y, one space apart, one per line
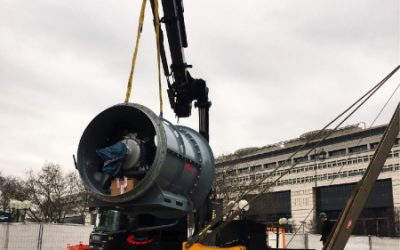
213 224
163 57
362 99
138 36
384 106
157 29
139 32
359 142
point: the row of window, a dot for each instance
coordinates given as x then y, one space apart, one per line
330 176
320 177
333 153
330 164
311 167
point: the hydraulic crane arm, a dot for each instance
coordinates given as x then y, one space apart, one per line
184 89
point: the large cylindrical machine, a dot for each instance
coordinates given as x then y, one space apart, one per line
173 166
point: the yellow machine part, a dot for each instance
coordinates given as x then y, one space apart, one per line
198 246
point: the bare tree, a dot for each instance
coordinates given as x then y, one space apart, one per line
54 195
11 188
223 187
77 201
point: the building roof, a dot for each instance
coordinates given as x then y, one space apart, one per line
283 147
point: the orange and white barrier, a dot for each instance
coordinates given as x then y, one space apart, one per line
80 246
275 234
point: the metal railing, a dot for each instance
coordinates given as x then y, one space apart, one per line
40 236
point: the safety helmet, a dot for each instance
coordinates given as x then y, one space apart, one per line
322 215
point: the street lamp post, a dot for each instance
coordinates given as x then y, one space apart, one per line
25 206
244 206
290 223
303 222
282 222
18 206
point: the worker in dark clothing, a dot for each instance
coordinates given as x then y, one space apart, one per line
327 226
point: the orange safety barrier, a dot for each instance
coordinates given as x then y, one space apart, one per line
279 231
197 246
78 247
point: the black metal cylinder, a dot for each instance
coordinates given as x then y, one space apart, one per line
178 162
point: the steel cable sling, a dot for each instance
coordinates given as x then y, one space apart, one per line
215 225
334 178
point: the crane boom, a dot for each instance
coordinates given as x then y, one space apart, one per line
355 203
184 89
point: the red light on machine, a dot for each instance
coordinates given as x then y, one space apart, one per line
190 168
133 241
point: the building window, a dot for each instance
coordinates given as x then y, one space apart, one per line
357 149
270 165
387 168
321 165
243 170
373 145
310 168
336 153
232 172
284 162
301 159
255 168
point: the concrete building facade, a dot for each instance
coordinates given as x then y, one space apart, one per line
315 180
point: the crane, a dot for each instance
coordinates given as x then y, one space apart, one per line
166 170
184 89
144 174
